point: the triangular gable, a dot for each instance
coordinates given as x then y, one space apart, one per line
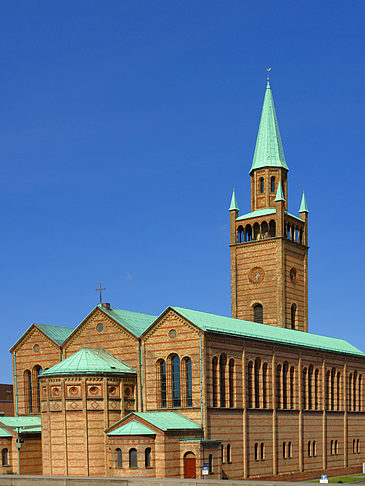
160 318
130 418
33 327
132 428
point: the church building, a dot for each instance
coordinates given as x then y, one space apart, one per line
255 395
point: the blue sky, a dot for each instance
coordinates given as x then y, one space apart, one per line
124 127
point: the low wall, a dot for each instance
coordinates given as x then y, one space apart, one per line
91 481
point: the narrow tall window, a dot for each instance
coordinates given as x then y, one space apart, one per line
210 462
328 390
360 393
28 391
309 449
290 450
231 382
189 385
256 452
133 458
310 387
264 385
37 370
316 389
229 453
272 184
240 235
222 379
250 382
147 457
272 228
293 315
215 381
358 446
314 449
291 404
338 391
262 185
350 391
162 365
257 382
222 454
304 388
285 385
333 389
354 398
284 450
175 374
4 457
262 451
278 387
119 458
258 313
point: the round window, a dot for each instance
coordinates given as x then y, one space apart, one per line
99 327
172 334
36 348
94 390
293 275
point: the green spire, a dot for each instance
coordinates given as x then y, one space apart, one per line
279 193
303 205
233 206
269 149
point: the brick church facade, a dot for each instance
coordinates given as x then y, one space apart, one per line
126 394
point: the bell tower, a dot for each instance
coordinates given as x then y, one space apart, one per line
269 245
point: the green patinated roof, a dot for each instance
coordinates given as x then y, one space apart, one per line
264 332
28 424
5 433
264 212
233 205
279 193
167 420
134 322
89 361
269 149
303 205
257 214
132 428
58 334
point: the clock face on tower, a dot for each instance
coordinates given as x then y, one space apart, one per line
256 275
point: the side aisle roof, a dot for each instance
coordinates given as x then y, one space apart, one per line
57 334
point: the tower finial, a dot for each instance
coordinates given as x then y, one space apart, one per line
268 73
233 206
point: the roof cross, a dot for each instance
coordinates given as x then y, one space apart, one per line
100 289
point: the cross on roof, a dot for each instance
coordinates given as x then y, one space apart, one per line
100 289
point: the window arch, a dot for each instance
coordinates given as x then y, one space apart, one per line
333 373
256 231
328 390
310 387
229 453
231 382
161 366
264 230
290 450
222 379
28 393
175 378
338 390
272 228
248 233
316 389
261 185
304 387
278 387
257 382
119 458
258 313
350 391
250 383
37 370
293 315
215 381
147 457
5 457
291 388
264 385
285 384
133 462
272 184
240 235
188 382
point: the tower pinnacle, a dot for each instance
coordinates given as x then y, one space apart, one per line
233 206
303 205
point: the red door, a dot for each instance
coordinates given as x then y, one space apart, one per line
189 466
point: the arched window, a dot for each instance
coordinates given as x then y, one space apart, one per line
314 449
264 230
175 375
301 236
240 235
336 447
333 372
309 449
257 382
316 389
350 391
262 451
37 370
354 398
291 392
354 446
360 394
256 452
231 382
256 231
222 379
272 184
229 453
304 387
215 381
262 185
133 458
284 450
338 389
272 228
222 454
248 233
28 393
189 385
293 315
290 450
358 446
310 387
147 457
250 382
328 390
264 385
258 313
162 379
5 457
278 387
285 385
210 462
119 458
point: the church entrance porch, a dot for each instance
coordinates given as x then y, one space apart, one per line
189 466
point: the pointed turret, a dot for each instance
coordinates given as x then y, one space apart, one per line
279 193
303 205
269 149
233 205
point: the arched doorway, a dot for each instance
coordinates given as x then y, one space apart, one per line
189 466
